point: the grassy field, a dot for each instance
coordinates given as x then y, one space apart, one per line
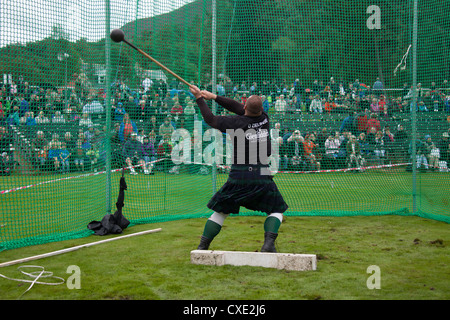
412 252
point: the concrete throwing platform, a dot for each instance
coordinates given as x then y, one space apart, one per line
285 261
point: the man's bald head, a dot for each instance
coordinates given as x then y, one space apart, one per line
253 106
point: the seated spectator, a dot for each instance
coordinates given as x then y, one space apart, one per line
331 151
354 156
421 154
89 133
14 118
309 152
364 145
177 109
127 127
80 153
6 164
432 153
316 105
85 120
53 154
119 112
164 152
93 106
133 153
295 151
189 110
422 107
28 119
58 118
166 128
92 154
375 106
330 105
41 118
64 158
38 144
378 147
283 160
373 122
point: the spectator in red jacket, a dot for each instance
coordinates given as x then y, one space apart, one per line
373 122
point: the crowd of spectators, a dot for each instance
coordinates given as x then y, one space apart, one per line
144 119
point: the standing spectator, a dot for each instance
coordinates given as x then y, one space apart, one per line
148 155
349 123
389 140
444 149
266 104
133 153
400 141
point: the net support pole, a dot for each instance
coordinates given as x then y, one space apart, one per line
58 252
414 109
214 87
108 106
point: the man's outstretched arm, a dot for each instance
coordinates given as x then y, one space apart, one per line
207 115
229 104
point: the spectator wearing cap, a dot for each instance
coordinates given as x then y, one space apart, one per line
119 112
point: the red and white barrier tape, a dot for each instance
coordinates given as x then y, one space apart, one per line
219 166
74 177
350 169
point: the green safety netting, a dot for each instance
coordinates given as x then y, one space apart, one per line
357 93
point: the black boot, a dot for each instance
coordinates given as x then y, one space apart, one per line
269 242
204 243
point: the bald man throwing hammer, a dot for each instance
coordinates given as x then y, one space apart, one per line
249 183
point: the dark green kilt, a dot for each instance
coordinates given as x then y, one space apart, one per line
248 186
